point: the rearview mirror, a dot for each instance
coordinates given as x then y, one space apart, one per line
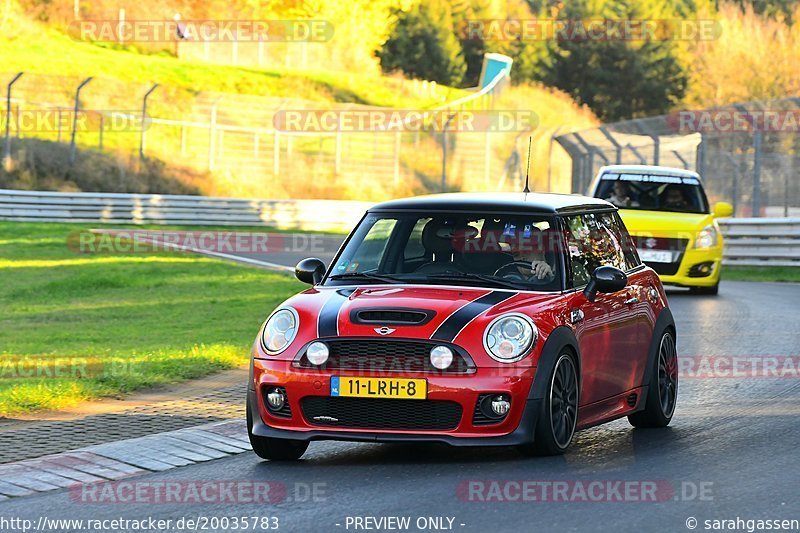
723 209
310 270
605 279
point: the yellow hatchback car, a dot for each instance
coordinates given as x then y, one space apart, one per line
666 212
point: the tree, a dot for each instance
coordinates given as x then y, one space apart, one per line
618 79
423 45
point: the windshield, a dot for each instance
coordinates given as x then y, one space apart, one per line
652 192
487 250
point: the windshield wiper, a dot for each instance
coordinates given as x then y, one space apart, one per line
365 276
473 276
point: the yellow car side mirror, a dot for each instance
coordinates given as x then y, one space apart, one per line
723 209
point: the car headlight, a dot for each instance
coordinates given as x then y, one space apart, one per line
707 238
510 337
280 330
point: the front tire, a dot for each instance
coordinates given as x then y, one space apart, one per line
708 291
662 394
274 449
559 413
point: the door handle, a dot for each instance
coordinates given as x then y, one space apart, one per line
631 301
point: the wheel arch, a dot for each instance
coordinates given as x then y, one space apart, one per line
560 338
664 322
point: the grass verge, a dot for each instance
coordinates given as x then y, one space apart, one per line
76 327
765 273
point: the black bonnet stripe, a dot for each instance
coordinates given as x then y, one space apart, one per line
328 321
451 327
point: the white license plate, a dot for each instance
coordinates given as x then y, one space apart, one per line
655 256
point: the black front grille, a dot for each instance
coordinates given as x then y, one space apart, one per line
663 243
381 413
387 355
666 269
660 243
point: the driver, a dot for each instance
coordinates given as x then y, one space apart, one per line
674 199
530 261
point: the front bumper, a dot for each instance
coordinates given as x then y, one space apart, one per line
516 428
693 257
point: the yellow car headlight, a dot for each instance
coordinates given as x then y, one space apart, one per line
707 238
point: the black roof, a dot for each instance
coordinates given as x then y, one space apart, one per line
551 203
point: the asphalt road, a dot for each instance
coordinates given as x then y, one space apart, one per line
730 452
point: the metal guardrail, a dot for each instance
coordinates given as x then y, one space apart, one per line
120 208
761 241
748 241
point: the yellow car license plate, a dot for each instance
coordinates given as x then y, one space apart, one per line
361 387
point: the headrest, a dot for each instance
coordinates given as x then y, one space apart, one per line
442 237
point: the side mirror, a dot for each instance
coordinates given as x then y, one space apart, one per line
723 209
310 270
605 279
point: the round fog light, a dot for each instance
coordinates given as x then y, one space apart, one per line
500 405
317 353
441 357
276 399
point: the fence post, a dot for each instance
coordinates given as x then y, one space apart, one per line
72 148
7 151
144 120
100 140
183 141
681 159
617 146
756 175
737 174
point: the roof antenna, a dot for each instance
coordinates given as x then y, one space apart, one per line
528 168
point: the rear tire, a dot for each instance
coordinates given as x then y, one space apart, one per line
274 449
662 394
708 291
558 417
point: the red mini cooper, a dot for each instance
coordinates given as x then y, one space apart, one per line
474 320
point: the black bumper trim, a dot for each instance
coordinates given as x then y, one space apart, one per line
522 435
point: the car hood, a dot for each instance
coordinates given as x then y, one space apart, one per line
453 314
664 223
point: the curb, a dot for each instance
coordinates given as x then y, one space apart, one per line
125 458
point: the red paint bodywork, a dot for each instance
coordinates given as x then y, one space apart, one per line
614 339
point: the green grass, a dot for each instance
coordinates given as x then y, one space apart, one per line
110 324
766 273
38 49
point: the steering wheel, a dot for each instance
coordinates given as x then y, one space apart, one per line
511 271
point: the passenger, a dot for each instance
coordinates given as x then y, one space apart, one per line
621 195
